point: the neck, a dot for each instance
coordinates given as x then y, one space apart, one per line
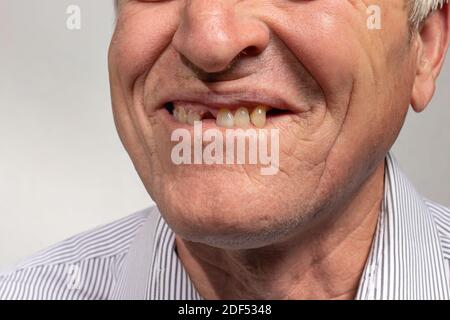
325 262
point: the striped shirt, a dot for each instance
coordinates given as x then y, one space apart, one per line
135 257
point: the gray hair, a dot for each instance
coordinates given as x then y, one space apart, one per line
419 10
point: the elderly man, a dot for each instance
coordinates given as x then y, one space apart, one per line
330 82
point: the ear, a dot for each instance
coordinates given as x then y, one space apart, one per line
433 39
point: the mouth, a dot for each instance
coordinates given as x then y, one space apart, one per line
242 115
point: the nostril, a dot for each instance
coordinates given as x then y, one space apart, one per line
250 51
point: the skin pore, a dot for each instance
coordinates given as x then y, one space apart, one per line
307 231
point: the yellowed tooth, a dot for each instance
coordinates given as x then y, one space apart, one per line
225 118
180 114
258 116
241 118
193 116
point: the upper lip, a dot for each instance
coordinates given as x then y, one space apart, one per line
227 99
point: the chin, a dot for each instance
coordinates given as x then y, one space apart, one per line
226 210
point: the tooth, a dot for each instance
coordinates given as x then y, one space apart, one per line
258 116
180 114
241 118
225 118
193 116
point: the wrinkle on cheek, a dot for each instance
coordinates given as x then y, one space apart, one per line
359 4
347 12
322 38
318 34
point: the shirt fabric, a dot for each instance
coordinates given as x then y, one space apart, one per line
135 257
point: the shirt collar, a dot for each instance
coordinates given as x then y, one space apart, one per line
405 261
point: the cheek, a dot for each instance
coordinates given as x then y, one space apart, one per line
325 37
141 35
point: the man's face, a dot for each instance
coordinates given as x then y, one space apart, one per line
345 89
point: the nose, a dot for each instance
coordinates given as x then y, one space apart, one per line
212 34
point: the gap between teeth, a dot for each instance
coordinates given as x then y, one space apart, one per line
241 118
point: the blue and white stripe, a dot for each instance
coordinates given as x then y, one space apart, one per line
135 257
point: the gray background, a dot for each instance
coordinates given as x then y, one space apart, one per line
62 167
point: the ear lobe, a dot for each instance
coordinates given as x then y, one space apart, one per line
433 39
423 90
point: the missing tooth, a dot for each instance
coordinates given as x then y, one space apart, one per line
169 107
207 115
277 112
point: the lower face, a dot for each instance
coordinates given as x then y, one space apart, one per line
336 92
